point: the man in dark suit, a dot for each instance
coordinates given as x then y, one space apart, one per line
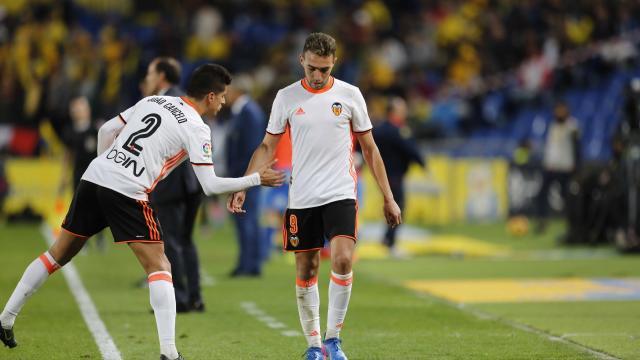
246 129
177 199
398 150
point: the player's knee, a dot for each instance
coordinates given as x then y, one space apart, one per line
341 262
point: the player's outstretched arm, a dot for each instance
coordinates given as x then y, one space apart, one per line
108 132
213 184
373 159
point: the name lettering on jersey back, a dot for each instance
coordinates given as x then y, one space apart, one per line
173 110
125 161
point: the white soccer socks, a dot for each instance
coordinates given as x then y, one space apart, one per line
163 302
308 299
339 294
34 276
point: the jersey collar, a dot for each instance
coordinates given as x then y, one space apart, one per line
184 98
326 87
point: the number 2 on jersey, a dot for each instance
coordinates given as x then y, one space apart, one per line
153 123
293 224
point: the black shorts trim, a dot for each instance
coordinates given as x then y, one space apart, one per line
308 229
95 207
137 241
74 234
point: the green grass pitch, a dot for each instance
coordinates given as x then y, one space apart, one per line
385 319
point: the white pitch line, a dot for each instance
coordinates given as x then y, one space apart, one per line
105 342
629 335
252 309
600 355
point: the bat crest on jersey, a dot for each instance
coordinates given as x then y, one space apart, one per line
336 108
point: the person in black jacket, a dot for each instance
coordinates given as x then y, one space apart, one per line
247 126
177 199
398 150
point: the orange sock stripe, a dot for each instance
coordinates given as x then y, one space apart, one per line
307 283
51 268
342 282
158 277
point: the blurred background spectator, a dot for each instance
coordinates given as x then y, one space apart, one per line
398 150
560 159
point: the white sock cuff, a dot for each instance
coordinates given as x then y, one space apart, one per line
343 280
342 277
307 283
49 262
160 275
305 290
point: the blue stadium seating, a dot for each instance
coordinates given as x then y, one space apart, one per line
598 110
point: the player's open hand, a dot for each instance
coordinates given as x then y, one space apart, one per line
392 213
235 202
269 176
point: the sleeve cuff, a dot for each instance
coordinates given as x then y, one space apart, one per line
363 131
254 179
275 133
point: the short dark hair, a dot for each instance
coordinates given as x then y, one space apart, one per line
320 44
170 67
208 78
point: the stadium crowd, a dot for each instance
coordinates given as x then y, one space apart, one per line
444 57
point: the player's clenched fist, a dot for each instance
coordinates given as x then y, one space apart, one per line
270 177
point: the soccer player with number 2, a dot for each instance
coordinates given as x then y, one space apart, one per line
137 149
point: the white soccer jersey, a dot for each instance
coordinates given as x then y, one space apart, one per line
321 125
159 133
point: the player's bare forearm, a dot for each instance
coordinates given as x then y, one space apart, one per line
263 153
373 159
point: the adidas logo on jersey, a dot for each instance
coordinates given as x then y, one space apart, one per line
300 111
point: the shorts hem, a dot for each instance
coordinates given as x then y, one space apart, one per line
355 239
137 241
303 250
74 234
